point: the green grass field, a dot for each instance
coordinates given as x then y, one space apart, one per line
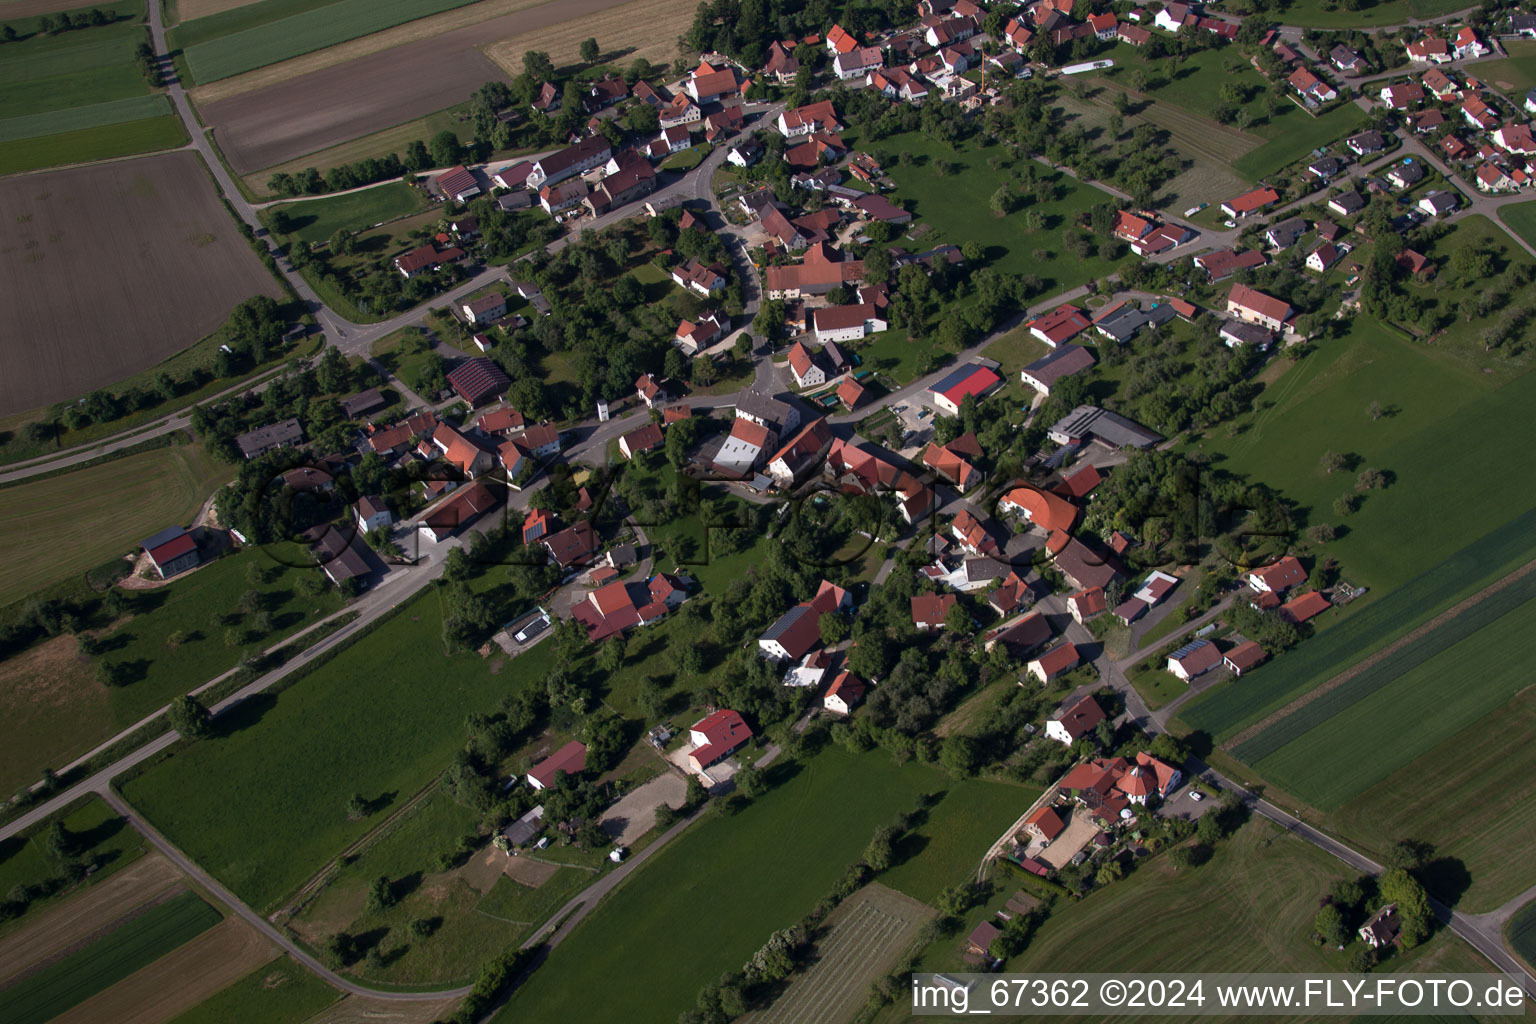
315 220
49 992
55 710
102 143
73 119
1297 134
1468 796
382 718
1227 709
948 847
407 855
956 208
280 992
1329 14
1521 218
1522 933
530 908
712 897
75 68
238 19
1158 687
24 859
1358 744
268 42
94 514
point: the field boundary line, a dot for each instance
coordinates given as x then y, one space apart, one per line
1356 669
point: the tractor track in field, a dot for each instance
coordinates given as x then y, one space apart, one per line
1354 670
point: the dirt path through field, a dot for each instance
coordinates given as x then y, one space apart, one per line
87 914
1396 645
179 980
187 10
364 1010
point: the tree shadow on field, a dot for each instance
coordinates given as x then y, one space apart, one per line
100 833
245 714
908 846
403 886
1447 878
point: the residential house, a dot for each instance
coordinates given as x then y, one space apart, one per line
1516 138
1382 928
806 368
1406 174
1346 60
1122 321
1347 203
709 84
642 439
847 323
1430 49
457 184
1478 114
697 278
1366 143
767 411
1044 823
858 62
1441 85
1235 333
486 309
1011 595
1194 659
1250 203
1022 638
1325 168
929 610
821 270
1403 96
803 452
1110 785
282 434
1323 257
1492 178
463 454
590 152
1086 604
574 545
1286 233
371 512
1223 263
846 693
798 631
1072 723
1082 566
1304 606
1174 16
427 258
951 461
695 336
1255 307
1040 508
1064 361
1054 663
782 65
466 505
813 117
650 390
1059 325
1311 88
745 153
554 199
1438 204
715 738
1278 576
1467 45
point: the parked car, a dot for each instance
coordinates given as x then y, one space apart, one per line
1196 795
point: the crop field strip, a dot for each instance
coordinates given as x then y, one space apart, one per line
1433 637
1384 731
55 122
1522 933
305 32
1228 711
278 992
859 948
49 992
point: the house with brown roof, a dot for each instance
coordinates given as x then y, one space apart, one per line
697 278
1081 565
1250 202
466 505
1277 577
466 456
1382 928
952 461
1304 606
1243 657
570 759
1054 663
1255 307
929 610
642 439
802 454
1086 604
1022 638
1194 659
1075 721
1040 508
846 693
478 380
574 545
1045 823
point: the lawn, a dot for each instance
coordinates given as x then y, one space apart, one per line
85 527
102 143
104 838
268 42
686 160
73 119
407 855
53 707
281 992
238 19
95 967
264 806
656 940
948 847
1514 74
1521 218
1365 738
955 207
1521 931
1297 135
1158 686
1329 14
315 220
1469 797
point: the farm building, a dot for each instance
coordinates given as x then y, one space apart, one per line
172 550
571 759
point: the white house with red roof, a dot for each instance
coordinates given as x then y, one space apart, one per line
1061 324
468 457
1086 604
695 336
571 759
1075 721
715 738
1056 662
1277 577
171 551
1250 202
798 631
846 693
1515 138
1253 306
1194 659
